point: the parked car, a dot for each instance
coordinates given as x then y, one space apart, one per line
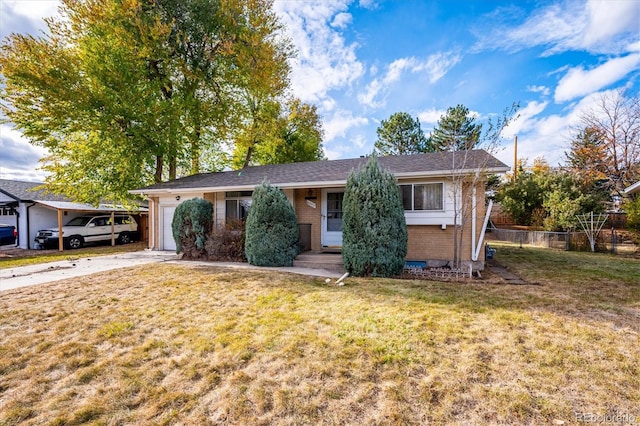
8 234
84 229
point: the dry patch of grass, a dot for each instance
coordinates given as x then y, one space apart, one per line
11 258
186 344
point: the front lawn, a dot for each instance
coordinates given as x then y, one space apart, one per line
188 344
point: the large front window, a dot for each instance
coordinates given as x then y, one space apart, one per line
237 204
423 196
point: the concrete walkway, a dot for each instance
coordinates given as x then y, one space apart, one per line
23 276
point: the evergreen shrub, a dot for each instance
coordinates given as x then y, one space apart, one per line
192 224
374 233
271 228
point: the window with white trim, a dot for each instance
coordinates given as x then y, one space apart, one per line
237 204
423 196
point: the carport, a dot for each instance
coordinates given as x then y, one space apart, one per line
64 207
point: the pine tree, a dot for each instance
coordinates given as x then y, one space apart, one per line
456 130
401 135
271 228
374 234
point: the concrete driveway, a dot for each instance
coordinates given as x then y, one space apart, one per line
23 276
61 270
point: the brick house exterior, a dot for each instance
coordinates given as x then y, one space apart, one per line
431 186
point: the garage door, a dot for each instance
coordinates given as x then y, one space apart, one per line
167 234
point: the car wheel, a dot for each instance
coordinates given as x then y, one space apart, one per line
124 238
75 242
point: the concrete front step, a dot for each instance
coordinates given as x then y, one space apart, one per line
330 262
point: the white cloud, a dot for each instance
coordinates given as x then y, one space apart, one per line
578 82
340 122
20 159
526 119
325 61
342 20
360 141
434 67
33 10
549 134
431 116
594 25
538 89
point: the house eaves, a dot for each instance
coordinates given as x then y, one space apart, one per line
328 173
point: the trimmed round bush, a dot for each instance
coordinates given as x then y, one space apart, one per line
271 228
374 232
192 224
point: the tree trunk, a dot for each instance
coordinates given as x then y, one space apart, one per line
172 167
159 165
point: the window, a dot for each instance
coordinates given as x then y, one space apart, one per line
237 204
7 211
424 196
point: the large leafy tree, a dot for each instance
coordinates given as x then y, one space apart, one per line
610 135
127 93
280 133
551 198
401 134
456 130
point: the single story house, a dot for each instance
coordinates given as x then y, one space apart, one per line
429 184
30 208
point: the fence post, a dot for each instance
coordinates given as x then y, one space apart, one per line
613 240
567 241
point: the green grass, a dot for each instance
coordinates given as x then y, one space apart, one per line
186 344
54 256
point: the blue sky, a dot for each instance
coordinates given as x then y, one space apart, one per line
361 61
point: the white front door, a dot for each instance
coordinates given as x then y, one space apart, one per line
332 217
168 242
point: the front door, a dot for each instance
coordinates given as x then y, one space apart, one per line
332 217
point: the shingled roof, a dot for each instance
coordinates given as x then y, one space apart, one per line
334 172
26 191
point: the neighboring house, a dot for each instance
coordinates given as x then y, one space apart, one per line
316 189
30 209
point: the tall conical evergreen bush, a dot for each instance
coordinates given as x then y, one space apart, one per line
271 228
374 232
191 226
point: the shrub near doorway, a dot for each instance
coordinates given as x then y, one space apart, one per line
374 239
271 228
191 226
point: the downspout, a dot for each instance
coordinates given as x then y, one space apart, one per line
484 229
474 214
28 227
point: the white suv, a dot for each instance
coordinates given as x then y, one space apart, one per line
90 228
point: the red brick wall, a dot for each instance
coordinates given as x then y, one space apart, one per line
307 214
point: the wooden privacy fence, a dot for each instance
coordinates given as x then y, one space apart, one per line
611 240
